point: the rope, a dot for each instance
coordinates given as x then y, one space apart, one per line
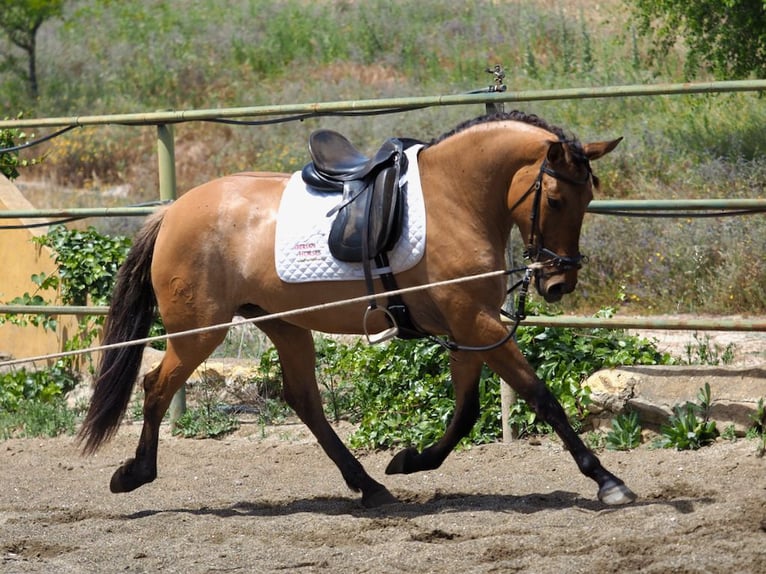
255 320
38 141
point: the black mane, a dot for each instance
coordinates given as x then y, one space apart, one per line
516 116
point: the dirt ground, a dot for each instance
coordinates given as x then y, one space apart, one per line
268 500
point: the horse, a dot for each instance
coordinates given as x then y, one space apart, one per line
209 256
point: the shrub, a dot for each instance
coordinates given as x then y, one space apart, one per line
32 402
400 393
625 433
690 427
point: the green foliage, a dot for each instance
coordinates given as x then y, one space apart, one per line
690 427
625 433
87 263
205 421
400 393
19 386
10 161
38 419
701 352
725 37
32 402
758 419
757 428
564 358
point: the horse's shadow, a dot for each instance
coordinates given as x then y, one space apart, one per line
410 507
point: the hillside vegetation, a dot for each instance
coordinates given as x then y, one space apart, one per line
138 56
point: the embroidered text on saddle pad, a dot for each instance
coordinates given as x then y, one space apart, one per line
301 250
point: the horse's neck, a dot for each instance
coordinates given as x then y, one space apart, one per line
477 169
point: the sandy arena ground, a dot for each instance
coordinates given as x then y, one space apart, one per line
268 500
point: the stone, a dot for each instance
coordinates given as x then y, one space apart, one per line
653 391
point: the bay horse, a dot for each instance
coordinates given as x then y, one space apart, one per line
210 256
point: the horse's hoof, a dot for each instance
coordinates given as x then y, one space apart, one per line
379 498
616 495
127 479
403 462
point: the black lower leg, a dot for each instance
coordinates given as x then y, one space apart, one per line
410 460
550 411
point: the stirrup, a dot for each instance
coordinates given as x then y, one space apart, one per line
386 334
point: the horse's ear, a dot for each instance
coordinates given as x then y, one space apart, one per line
596 150
556 152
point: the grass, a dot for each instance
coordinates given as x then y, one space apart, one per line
35 418
208 53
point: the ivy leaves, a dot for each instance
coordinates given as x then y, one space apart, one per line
87 264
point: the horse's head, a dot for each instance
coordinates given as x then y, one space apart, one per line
555 204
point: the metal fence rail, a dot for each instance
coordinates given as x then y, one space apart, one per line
163 120
597 206
568 321
326 108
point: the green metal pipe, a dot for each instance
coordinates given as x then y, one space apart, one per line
166 158
167 177
607 205
568 321
164 117
598 206
76 212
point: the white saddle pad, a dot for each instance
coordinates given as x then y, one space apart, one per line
301 249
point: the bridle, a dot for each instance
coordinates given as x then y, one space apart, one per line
540 258
536 251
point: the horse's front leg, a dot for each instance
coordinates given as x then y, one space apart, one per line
508 362
465 369
297 357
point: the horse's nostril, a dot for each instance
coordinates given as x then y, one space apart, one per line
555 292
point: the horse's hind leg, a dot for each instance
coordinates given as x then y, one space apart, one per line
298 359
183 355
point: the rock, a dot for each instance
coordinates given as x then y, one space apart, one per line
653 391
83 392
234 381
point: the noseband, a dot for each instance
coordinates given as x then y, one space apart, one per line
536 250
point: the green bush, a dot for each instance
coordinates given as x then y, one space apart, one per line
400 393
625 433
690 427
25 385
564 358
32 402
11 161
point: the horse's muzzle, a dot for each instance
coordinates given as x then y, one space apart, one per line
555 288
555 275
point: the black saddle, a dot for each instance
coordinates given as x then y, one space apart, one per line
368 218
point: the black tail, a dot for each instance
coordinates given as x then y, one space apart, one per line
130 317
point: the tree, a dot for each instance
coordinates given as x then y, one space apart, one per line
21 20
724 37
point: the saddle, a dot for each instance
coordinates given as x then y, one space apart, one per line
368 218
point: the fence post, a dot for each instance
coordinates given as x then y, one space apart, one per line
507 394
167 176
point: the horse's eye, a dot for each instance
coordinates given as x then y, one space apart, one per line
554 202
